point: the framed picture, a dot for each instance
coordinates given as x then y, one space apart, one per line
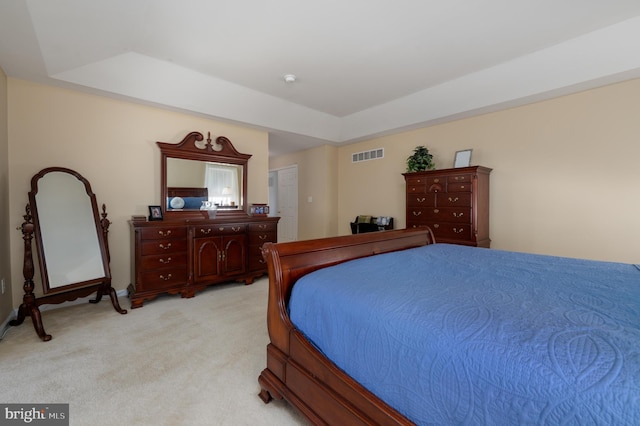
155 213
463 158
259 210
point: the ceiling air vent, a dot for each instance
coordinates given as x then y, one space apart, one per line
374 154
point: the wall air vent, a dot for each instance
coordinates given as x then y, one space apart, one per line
374 154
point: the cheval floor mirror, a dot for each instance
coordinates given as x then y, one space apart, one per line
71 242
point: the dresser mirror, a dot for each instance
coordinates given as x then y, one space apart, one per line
71 242
197 175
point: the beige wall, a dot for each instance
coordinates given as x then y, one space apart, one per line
317 178
5 268
112 144
565 178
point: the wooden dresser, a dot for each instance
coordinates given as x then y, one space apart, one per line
185 256
453 202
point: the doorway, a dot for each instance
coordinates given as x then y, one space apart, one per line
283 199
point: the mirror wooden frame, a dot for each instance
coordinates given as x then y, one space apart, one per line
71 289
222 151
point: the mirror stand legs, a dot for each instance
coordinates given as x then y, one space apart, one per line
106 288
32 310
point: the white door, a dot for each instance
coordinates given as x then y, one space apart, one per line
287 203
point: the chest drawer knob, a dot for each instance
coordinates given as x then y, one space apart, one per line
167 278
235 228
421 200
205 231
262 237
415 213
457 214
435 225
457 231
436 210
164 233
165 261
453 200
436 180
162 246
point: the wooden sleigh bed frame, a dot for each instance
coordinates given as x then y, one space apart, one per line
296 371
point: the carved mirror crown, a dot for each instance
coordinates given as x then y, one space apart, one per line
194 171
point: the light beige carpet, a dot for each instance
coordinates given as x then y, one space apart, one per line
172 362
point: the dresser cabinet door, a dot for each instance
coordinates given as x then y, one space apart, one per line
219 251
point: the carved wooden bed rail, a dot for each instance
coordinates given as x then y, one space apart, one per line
296 370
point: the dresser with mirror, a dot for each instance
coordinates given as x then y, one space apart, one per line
205 235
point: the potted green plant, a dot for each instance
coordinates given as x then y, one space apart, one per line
420 160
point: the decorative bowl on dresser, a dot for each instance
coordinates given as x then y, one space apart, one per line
453 202
188 251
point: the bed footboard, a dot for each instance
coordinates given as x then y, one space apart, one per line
296 371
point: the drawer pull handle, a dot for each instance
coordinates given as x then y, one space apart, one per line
205 231
461 186
167 278
436 180
417 213
165 261
435 225
457 231
453 200
457 214
168 246
262 237
221 228
421 200
235 228
262 226
164 234
436 211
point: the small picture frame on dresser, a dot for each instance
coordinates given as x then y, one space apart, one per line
259 210
155 213
462 158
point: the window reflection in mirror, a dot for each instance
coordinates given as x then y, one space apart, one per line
223 182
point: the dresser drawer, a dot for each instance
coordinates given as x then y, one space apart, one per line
201 231
421 200
256 260
163 233
416 214
453 199
449 214
262 237
459 187
163 278
451 230
166 260
164 246
263 227
461 178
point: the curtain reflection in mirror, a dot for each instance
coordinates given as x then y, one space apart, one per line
222 183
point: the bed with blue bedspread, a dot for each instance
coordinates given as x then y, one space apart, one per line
465 335
447 334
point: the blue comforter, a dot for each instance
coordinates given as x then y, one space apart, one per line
449 334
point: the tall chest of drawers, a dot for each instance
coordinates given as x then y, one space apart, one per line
183 257
454 203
